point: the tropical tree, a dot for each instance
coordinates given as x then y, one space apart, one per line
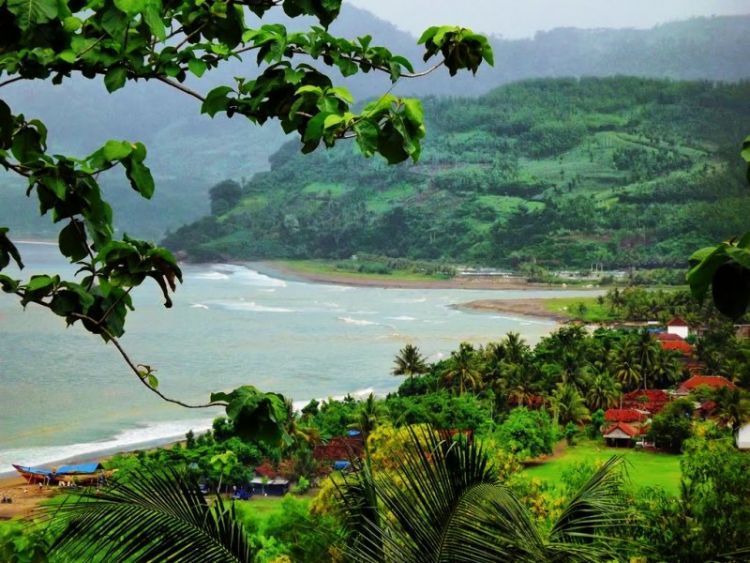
131 41
732 407
370 414
462 370
410 362
625 365
469 515
568 405
151 516
648 353
603 392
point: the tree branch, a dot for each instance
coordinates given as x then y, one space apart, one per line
180 87
11 81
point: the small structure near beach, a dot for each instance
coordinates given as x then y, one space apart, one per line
679 327
743 437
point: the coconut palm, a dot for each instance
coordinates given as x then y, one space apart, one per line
732 407
462 371
409 361
150 517
368 416
625 365
445 502
603 392
648 353
568 404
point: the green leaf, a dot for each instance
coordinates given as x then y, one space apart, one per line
116 150
115 78
256 415
72 241
32 12
40 282
8 250
197 67
71 24
414 110
152 17
140 177
216 100
131 7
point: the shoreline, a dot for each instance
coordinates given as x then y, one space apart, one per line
531 307
282 270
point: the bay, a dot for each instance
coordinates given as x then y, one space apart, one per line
64 393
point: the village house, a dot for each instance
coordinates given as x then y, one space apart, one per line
679 327
624 425
696 381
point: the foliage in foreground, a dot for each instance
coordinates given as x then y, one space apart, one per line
444 502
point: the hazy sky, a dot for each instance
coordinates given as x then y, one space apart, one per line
522 18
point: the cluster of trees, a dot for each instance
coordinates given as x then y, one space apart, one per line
563 173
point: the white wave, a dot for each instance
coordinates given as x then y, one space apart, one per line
402 318
271 290
251 306
198 306
359 322
251 277
210 276
414 300
359 394
127 439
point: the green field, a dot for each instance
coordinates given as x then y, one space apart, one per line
585 309
645 469
329 268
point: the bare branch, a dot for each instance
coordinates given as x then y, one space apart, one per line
11 81
180 87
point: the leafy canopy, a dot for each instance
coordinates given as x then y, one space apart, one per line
122 41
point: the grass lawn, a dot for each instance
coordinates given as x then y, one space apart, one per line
328 267
586 309
644 468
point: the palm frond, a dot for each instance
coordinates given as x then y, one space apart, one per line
150 517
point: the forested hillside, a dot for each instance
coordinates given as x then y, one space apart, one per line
189 152
566 173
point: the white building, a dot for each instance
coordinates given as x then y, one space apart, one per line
743 437
679 327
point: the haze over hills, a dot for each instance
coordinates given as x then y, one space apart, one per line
189 152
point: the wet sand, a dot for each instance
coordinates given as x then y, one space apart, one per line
524 307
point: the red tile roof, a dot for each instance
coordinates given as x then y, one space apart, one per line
631 431
677 321
714 381
651 400
625 415
664 336
677 346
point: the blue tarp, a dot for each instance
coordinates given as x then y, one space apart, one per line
341 465
80 469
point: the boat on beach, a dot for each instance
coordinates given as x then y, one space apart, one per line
82 473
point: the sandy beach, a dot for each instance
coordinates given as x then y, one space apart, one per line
283 271
524 307
25 498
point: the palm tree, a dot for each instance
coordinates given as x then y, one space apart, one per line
625 366
444 502
568 404
150 517
648 353
409 361
516 349
462 369
370 414
732 407
603 392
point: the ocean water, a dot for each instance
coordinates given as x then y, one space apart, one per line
64 393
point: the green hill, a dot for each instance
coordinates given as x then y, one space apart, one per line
189 152
618 171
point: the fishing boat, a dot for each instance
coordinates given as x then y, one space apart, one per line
35 475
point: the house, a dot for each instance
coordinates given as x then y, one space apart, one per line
712 381
743 437
277 486
679 327
651 400
626 415
684 348
621 434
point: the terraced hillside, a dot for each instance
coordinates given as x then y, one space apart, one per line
565 173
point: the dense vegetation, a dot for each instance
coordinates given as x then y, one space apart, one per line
518 402
189 153
619 172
